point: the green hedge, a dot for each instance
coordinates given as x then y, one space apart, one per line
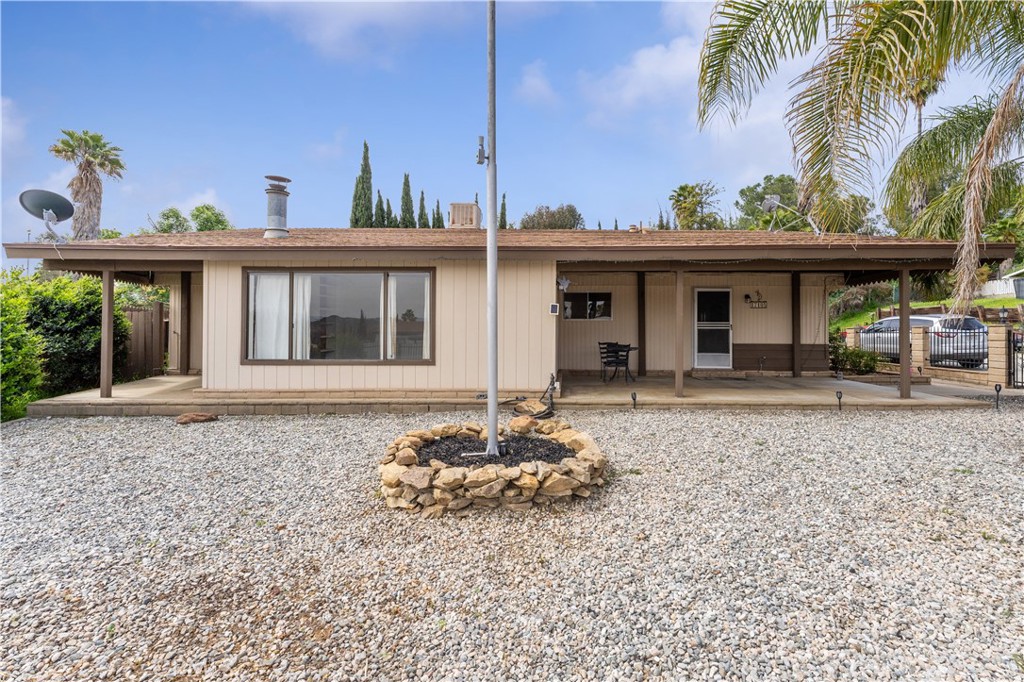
21 348
50 340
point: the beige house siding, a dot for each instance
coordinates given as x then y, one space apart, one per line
660 295
526 332
758 330
814 305
577 339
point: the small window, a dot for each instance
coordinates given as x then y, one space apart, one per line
587 306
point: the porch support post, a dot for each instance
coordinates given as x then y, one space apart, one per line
184 324
107 335
681 327
905 359
641 324
797 319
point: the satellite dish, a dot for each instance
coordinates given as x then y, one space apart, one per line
49 207
770 203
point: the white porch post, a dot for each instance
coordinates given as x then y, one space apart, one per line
681 330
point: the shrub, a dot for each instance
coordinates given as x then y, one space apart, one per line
842 358
21 348
67 314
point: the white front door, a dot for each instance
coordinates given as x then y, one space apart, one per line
713 329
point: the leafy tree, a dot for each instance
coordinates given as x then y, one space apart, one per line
67 314
171 220
362 195
379 217
502 215
93 156
106 233
752 196
854 98
209 218
390 219
407 217
421 217
694 206
565 217
21 348
438 223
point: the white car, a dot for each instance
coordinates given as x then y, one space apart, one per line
952 338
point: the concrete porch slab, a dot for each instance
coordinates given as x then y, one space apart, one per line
174 395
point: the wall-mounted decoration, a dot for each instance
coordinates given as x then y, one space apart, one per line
755 301
587 306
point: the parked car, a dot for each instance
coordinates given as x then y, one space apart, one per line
953 338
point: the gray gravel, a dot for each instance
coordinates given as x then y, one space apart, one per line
730 545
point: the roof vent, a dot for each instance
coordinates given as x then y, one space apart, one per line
277 207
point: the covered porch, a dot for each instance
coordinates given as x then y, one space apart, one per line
174 395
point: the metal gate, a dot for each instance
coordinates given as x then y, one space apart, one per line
1015 359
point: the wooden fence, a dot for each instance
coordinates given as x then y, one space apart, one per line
148 343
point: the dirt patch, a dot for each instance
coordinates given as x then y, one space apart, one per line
518 449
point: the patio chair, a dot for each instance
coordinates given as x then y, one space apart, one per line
614 356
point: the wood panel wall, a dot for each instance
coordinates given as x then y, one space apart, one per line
577 339
526 330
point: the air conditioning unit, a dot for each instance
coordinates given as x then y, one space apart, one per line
465 216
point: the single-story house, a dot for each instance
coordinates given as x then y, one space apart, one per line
400 312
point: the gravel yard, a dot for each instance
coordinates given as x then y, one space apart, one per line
730 545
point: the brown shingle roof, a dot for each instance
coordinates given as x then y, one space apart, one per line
401 239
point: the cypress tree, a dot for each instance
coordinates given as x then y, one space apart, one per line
362 195
599 225
390 220
502 215
379 219
438 217
616 223
421 217
407 216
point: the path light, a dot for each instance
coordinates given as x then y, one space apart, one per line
999 388
839 397
633 396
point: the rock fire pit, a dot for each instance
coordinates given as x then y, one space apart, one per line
545 462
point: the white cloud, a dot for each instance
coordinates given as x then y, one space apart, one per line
534 87
692 18
348 30
332 149
207 196
653 76
13 123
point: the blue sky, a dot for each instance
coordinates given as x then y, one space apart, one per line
596 105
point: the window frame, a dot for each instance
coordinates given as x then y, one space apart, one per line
291 272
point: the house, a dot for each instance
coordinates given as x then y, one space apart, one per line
389 312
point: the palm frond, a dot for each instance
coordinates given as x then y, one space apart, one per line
941 152
943 218
978 183
744 45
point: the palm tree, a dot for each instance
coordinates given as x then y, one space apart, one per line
93 155
851 103
938 159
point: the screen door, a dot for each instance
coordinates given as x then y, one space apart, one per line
713 329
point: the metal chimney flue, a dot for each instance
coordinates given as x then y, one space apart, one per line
277 207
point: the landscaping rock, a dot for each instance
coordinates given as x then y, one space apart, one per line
417 477
196 418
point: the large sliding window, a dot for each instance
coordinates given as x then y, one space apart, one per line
339 315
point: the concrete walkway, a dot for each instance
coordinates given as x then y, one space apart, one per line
173 395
